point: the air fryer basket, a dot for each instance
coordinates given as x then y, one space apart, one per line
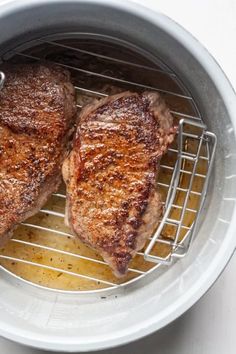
97 38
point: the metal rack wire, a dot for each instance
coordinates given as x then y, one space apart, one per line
179 246
187 165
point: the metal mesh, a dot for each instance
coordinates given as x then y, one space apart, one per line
42 250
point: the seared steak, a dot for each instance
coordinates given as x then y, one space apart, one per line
112 201
37 107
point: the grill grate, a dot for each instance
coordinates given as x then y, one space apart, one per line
44 252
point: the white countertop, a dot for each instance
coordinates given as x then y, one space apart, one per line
209 327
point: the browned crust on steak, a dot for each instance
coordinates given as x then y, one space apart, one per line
112 201
37 109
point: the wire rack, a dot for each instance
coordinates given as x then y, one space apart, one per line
42 251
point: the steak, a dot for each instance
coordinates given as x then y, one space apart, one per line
37 109
112 200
